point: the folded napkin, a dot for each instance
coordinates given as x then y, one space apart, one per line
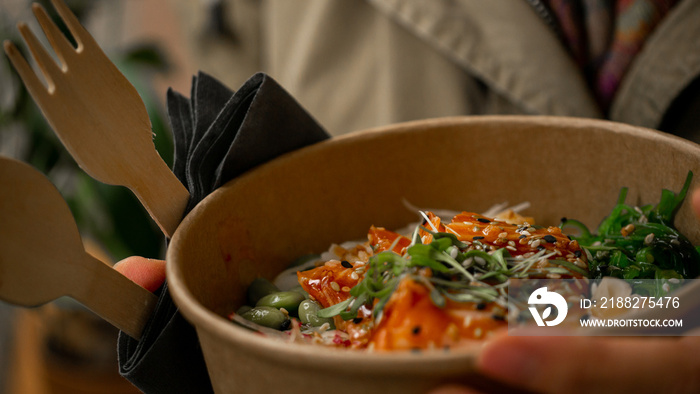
219 134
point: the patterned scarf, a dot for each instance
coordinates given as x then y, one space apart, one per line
604 36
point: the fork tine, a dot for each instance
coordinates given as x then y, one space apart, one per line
43 59
31 81
61 46
82 37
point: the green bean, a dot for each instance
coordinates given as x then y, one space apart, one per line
288 300
259 288
308 314
266 316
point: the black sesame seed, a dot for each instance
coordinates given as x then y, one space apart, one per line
577 253
540 247
346 264
522 236
482 220
478 237
499 317
550 238
357 320
481 306
416 330
564 219
285 325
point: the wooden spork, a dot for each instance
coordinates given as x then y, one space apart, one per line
98 115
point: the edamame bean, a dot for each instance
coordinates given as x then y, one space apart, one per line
288 300
259 288
266 316
308 314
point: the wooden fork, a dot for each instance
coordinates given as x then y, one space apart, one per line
98 115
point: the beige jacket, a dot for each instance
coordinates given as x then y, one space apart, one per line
357 64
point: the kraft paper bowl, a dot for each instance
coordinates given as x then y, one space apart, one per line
333 191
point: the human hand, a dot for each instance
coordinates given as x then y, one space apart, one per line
147 273
555 364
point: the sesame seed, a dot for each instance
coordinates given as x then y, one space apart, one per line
477 332
535 243
577 253
627 230
415 330
498 317
526 233
511 247
285 325
332 263
522 236
478 237
354 276
467 321
550 238
649 239
553 276
345 289
346 264
481 306
511 243
335 286
482 220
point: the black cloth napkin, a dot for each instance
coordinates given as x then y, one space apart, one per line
219 134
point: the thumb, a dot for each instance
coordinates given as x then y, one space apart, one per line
147 273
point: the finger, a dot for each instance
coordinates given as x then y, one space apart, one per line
147 273
695 201
594 364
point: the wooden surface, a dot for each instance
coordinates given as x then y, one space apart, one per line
99 116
